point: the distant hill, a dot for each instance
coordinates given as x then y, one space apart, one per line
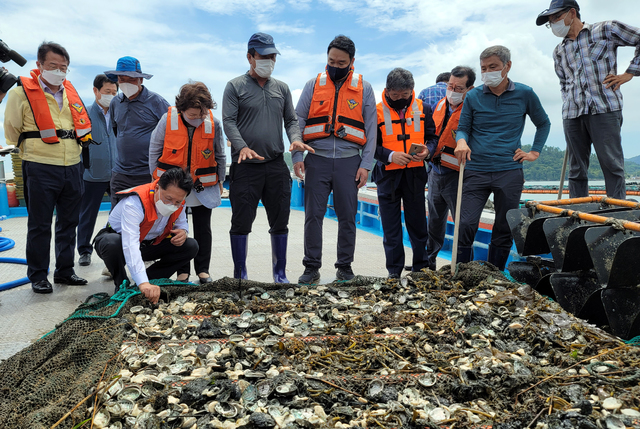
635 160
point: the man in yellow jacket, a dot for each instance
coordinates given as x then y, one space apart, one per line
46 118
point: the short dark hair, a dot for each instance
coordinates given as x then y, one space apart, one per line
177 177
400 79
443 77
252 52
46 47
194 95
343 43
100 80
462 71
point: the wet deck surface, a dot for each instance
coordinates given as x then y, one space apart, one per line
26 316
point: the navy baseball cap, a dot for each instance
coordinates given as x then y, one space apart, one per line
127 66
263 44
555 7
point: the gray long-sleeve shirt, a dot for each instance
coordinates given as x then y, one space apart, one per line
252 117
332 146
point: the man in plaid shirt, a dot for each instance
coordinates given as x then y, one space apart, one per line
433 94
586 63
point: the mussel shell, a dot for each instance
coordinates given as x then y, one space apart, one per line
260 317
216 348
290 293
246 315
236 338
276 330
148 390
102 418
286 388
226 410
136 309
265 387
376 387
439 414
427 380
203 350
243 324
130 393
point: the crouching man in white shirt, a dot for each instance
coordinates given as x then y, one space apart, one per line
149 224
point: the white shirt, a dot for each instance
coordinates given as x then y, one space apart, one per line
125 218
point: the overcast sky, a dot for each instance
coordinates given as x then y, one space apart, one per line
207 40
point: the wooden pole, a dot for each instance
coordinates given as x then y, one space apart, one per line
564 170
456 225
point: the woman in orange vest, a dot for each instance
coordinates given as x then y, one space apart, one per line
405 128
188 136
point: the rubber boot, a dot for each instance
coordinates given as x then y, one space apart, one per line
239 255
279 257
498 256
465 254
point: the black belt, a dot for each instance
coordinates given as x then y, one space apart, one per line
63 134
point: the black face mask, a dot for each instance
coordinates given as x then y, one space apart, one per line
399 104
336 73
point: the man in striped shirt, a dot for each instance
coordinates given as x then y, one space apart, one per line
586 63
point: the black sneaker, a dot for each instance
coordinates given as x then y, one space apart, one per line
344 273
310 275
394 276
85 259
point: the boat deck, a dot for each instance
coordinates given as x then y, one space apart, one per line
26 316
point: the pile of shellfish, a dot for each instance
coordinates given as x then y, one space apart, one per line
421 351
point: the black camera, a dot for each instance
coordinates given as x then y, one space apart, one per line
7 80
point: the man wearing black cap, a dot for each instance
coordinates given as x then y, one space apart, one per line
586 63
253 109
134 115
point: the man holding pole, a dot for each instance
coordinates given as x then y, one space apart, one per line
488 141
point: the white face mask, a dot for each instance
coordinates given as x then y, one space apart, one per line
54 77
560 29
193 122
493 79
455 98
105 100
264 68
165 210
129 89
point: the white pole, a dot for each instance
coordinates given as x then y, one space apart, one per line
456 225
564 170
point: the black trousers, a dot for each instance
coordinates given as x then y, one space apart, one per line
400 189
89 208
120 182
201 217
169 258
477 186
323 175
251 182
49 187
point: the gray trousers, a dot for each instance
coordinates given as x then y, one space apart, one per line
603 131
478 185
443 189
323 175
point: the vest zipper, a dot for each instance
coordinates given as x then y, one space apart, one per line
190 134
333 118
404 138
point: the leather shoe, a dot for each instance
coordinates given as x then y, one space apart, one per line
85 259
205 280
72 280
42 286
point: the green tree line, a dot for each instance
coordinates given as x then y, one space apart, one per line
549 166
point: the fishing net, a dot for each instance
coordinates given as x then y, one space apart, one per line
427 350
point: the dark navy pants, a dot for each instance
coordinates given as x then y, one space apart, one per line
251 182
201 222
403 191
443 190
49 187
603 130
89 208
323 175
506 187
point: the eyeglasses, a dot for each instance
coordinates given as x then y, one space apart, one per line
55 66
456 88
555 18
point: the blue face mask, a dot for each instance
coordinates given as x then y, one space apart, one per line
336 73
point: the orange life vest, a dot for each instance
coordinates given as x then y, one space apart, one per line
447 137
42 114
198 157
337 112
398 134
146 193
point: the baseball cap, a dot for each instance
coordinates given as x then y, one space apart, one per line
263 44
555 7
